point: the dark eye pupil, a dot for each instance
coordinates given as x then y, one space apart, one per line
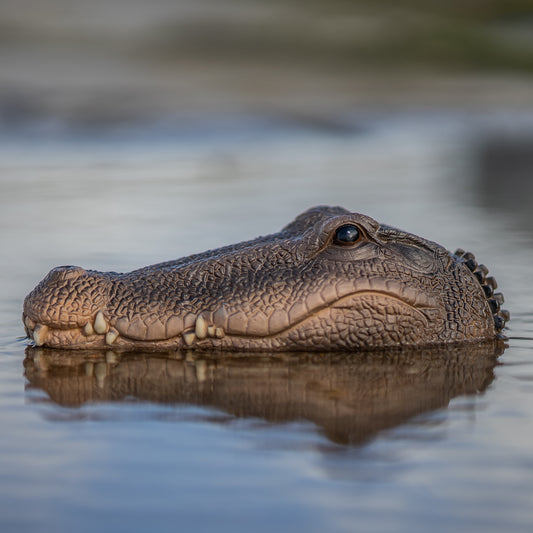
347 234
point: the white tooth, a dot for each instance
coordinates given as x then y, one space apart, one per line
39 334
219 333
211 331
88 329
189 338
100 325
201 327
111 336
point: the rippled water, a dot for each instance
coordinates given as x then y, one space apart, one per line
373 442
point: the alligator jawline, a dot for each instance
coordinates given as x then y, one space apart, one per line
77 337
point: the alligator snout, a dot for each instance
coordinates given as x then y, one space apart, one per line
66 298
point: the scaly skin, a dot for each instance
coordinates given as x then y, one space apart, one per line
311 286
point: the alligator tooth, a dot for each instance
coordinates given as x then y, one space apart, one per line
111 336
100 324
189 338
39 334
505 314
219 333
211 331
88 329
201 327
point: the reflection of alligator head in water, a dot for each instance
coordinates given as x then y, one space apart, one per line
349 396
330 280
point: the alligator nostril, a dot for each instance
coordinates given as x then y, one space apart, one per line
66 272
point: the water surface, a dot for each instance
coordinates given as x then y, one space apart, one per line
397 441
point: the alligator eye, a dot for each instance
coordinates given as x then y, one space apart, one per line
346 235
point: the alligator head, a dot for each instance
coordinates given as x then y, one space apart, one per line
330 280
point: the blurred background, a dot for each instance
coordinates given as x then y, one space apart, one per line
278 105
135 131
115 63
142 116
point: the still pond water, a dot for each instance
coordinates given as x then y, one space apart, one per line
401 441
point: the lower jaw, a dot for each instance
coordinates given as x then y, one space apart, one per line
75 339
330 329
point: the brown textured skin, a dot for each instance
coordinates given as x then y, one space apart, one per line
295 289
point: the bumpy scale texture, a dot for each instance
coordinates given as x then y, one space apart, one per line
330 280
